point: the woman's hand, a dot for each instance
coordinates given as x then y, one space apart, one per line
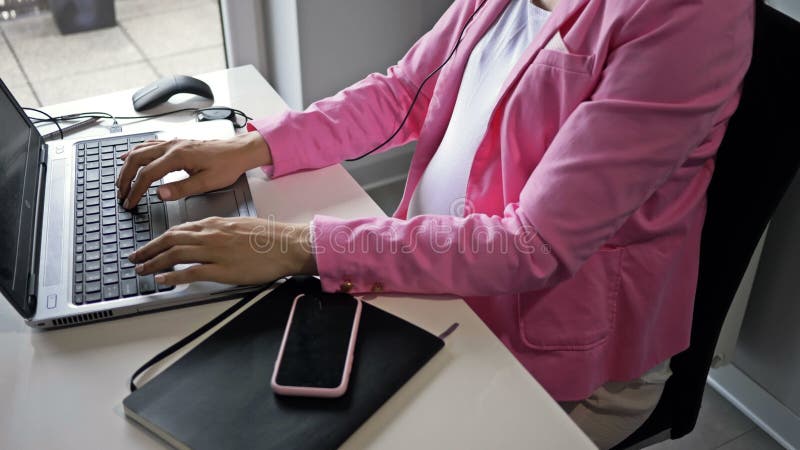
210 165
240 250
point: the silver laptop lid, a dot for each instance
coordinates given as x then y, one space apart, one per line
22 164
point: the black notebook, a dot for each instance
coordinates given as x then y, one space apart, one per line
218 395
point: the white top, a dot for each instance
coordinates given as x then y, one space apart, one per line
443 185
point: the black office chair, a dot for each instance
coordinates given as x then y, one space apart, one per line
756 163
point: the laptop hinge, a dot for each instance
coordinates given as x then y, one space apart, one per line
43 155
34 269
32 288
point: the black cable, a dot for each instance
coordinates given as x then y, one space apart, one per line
196 110
49 117
422 85
198 332
150 116
153 116
85 115
98 114
104 115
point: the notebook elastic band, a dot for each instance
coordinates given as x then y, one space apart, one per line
194 335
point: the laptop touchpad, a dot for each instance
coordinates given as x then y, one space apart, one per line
218 203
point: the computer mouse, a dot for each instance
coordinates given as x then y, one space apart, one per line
161 90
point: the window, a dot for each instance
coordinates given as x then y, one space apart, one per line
126 44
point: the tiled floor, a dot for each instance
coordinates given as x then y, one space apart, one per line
153 38
721 426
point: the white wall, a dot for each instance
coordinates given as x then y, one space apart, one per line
283 50
244 33
769 343
318 47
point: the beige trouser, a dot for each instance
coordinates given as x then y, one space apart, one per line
616 409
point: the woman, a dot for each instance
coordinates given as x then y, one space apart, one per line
558 185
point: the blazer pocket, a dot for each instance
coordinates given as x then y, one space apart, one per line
576 314
570 62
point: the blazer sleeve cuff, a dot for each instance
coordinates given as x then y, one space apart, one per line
283 142
341 267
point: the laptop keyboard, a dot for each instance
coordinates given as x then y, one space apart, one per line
105 233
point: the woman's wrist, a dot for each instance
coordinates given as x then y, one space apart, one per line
256 150
302 252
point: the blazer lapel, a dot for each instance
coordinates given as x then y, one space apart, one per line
452 71
455 71
478 28
481 23
487 168
563 12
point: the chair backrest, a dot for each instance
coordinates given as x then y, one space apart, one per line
756 163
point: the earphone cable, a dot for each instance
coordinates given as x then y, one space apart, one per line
105 115
422 86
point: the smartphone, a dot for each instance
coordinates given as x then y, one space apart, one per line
316 354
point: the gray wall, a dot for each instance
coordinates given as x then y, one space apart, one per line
344 40
318 47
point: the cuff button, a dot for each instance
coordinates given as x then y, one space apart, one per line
347 286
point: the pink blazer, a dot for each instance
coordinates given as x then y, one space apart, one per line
586 198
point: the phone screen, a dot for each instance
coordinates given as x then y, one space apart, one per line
316 347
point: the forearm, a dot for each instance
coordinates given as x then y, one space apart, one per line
359 118
472 256
344 126
255 150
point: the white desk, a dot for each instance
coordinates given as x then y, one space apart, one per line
63 389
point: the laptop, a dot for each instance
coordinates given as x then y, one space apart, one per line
64 237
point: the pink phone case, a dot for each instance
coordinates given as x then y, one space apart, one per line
304 391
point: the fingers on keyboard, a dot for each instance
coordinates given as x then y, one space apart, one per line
106 233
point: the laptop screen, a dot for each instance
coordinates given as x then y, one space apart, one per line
19 150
